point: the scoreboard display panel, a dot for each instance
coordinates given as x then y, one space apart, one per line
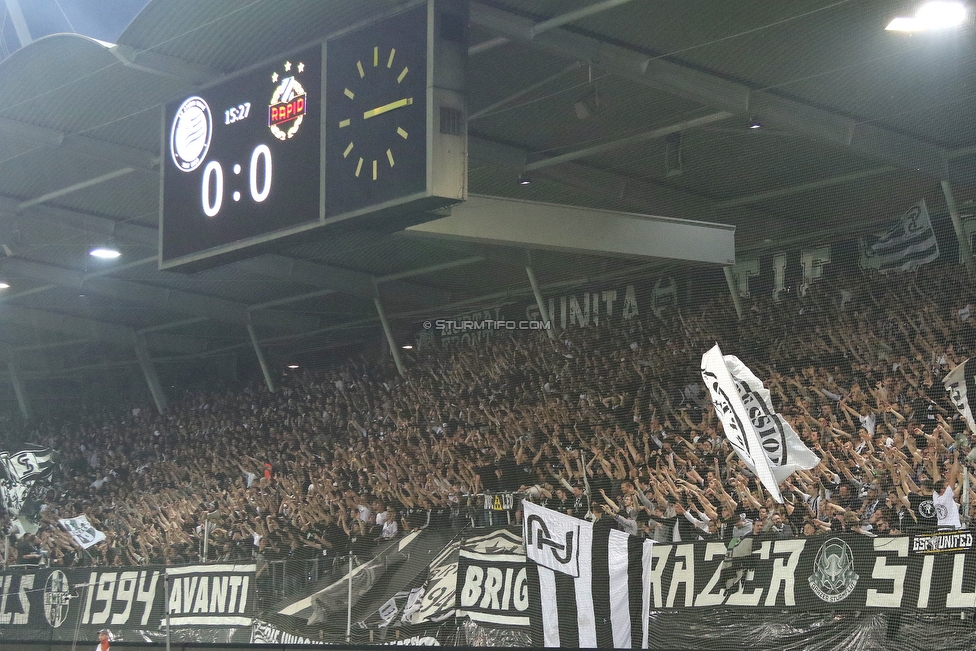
242 162
340 131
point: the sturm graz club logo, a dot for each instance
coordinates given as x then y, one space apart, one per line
189 138
926 509
57 598
833 577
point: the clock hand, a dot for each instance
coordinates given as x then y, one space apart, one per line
379 110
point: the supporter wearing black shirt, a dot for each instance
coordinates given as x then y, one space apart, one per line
921 505
561 502
847 499
28 552
577 508
333 534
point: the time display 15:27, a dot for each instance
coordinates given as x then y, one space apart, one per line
241 160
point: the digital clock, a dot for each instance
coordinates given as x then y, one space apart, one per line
242 162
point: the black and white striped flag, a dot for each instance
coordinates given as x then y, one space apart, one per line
593 583
905 247
33 463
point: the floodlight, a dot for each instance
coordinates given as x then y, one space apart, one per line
105 252
931 16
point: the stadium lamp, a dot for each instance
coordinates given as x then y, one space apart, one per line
930 17
105 252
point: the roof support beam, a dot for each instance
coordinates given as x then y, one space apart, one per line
125 231
806 187
268 380
284 268
191 303
576 65
653 134
622 190
390 339
21 394
47 137
550 23
711 90
162 65
484 46
599 232
576 14
346 281
149 371
79 327
20 25
422 271
55 194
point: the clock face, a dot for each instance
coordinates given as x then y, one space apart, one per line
241 160
376 123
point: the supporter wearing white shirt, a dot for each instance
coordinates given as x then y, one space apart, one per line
390 528
945 500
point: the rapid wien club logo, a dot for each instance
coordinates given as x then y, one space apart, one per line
288 104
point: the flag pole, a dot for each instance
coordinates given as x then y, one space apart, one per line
349 601
206 537
166 605
965 497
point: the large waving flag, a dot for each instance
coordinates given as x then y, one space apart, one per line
784 449
33 463
593 583
761 437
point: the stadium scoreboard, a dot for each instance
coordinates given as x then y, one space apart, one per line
367 125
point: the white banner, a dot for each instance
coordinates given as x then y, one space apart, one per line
553 539
958 384
735 419
82 532
493 580
784 449
211 595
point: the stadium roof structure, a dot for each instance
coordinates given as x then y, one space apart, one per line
788 120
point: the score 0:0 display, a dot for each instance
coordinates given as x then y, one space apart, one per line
212 184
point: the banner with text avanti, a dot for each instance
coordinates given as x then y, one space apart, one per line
207 603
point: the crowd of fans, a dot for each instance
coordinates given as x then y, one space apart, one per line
609 422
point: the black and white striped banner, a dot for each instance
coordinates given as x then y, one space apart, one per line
606 603
905 247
